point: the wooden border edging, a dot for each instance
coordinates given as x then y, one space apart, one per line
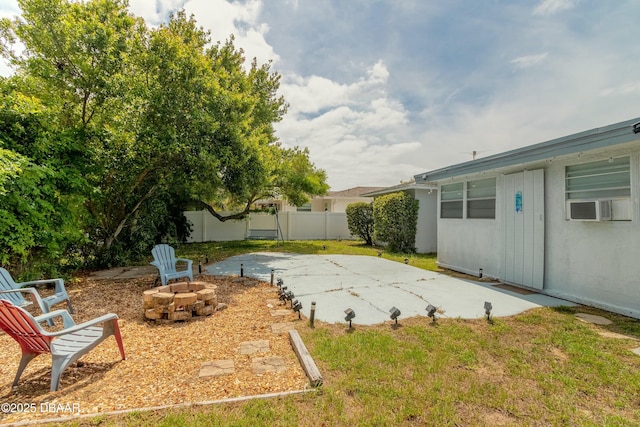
309 366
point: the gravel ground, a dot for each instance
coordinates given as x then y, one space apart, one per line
163 360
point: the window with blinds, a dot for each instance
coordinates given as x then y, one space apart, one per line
481 198
606 179
451 200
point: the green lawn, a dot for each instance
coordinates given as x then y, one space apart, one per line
543 367
216 251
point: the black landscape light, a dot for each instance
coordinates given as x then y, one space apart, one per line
283 293
280 282
487 309
406 260
350 314
394 314
431 312
289 296
296 306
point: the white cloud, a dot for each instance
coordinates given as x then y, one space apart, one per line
528 61
357 133
550 7
623 89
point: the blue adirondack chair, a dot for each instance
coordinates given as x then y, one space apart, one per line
164 258
59 294
66 346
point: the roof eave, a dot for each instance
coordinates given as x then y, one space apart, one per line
611 135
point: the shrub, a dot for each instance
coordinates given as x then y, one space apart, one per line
395 218
360 220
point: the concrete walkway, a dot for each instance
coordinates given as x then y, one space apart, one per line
371 286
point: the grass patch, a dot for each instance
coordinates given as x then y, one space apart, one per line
217 251
542 367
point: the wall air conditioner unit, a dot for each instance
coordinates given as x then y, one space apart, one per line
590 210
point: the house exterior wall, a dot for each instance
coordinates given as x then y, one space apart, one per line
427 227
594 263
468 245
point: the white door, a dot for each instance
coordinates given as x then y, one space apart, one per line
524 228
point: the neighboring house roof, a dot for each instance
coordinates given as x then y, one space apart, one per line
619 133
352 192
402 187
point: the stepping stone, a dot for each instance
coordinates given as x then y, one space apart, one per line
591 318
261 365
281 328
636 351
250 347
281 312
216 368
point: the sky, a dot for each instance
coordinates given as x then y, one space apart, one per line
382 90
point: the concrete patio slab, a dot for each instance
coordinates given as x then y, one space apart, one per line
372 285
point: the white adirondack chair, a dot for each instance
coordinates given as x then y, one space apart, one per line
164 259
66 346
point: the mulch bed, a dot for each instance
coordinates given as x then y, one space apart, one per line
163 360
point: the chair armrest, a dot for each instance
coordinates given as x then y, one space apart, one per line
35 296
59 283
67 320
188 261
84 325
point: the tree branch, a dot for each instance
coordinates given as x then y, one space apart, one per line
109 240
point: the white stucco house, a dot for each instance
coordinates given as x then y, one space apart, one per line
427 197
561 217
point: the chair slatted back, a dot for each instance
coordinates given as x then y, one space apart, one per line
166 256
22 327
7 284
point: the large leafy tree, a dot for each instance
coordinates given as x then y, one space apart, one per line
147 121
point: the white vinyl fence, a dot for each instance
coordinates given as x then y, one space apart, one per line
293 226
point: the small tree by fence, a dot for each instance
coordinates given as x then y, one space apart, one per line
395 219
360 220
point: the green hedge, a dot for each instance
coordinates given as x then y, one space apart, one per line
395 219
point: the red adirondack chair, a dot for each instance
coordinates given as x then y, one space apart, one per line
66 346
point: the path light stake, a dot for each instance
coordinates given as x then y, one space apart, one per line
487 309
394 314
206 259
199 267
350 314
312 315
297 306
288 296
272 277
431 312
241 270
